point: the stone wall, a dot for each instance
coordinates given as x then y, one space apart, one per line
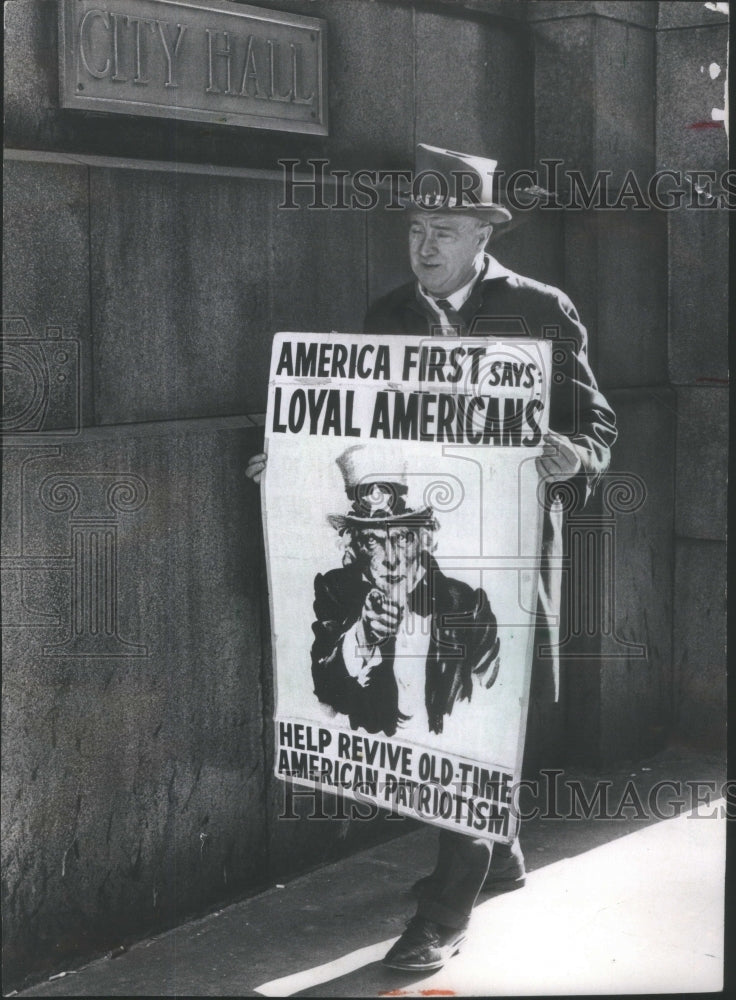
651 285
691 69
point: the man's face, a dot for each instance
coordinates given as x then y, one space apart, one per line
391 559
442 248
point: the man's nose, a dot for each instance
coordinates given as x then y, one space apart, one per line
390 556
427 245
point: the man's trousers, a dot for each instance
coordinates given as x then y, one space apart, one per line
461 869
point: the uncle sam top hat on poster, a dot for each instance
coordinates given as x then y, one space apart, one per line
377 484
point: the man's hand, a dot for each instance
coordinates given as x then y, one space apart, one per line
255 467
560 458
381 617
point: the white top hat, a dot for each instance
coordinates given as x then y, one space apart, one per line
445 179
376 482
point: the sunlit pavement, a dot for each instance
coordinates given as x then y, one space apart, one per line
626 905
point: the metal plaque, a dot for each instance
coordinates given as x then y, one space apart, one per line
221 63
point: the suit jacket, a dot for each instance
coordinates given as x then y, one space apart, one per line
463 643
505 304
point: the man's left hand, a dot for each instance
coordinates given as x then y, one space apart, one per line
256 467
560 458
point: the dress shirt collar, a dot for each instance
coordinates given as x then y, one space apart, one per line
461 296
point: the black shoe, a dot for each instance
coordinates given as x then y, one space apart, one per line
506 872
424 945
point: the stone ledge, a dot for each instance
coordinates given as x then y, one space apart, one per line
150 428
638 14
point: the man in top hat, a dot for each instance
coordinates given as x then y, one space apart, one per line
397 643
460 289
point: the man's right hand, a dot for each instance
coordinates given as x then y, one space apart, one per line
380 617
256 467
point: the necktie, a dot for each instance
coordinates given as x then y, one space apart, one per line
453 316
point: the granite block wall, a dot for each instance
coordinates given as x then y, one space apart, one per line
637 87
387 66
691 72
133 720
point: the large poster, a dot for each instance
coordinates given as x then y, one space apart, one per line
402 525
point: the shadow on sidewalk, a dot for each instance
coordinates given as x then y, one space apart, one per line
621 894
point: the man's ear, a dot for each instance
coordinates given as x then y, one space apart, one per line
484 234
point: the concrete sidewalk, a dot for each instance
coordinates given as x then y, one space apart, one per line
611 906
